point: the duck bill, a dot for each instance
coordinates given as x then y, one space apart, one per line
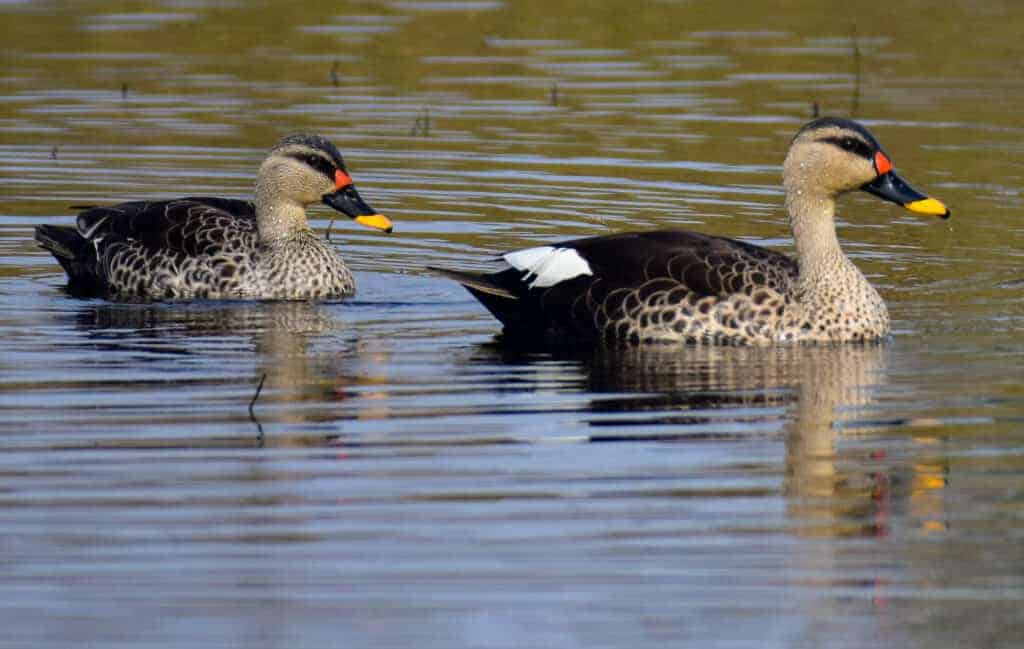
893 188
348 201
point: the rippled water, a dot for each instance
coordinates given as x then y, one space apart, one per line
405 478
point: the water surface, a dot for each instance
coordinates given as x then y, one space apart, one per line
405 477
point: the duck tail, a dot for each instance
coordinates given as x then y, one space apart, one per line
75 255
476 282
514 310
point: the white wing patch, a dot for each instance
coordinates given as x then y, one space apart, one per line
548 265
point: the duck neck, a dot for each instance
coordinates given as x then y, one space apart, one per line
814 234
276 218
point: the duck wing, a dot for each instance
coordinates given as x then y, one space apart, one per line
597 286
153 249
192 226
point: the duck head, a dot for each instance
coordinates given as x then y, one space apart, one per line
835 155
306 169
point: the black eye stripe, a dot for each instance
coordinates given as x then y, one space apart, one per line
319 163
851 144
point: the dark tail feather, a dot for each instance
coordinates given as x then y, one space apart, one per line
478 282
72 251
509 308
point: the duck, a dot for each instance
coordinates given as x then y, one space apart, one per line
668 286
221 248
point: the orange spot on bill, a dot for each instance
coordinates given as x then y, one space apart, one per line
341 180
882 163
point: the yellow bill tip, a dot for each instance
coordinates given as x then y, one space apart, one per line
376 221
928 206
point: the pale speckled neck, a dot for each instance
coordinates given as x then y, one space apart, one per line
277 218
830 287
812 218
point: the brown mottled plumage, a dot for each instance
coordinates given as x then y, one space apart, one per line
668 286
220 248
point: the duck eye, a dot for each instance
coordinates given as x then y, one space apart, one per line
854 145
315 162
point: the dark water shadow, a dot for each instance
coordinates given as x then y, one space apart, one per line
815 380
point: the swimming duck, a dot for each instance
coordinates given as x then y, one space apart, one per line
680 286
220 248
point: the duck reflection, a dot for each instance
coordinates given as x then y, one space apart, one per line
808 394
280 334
